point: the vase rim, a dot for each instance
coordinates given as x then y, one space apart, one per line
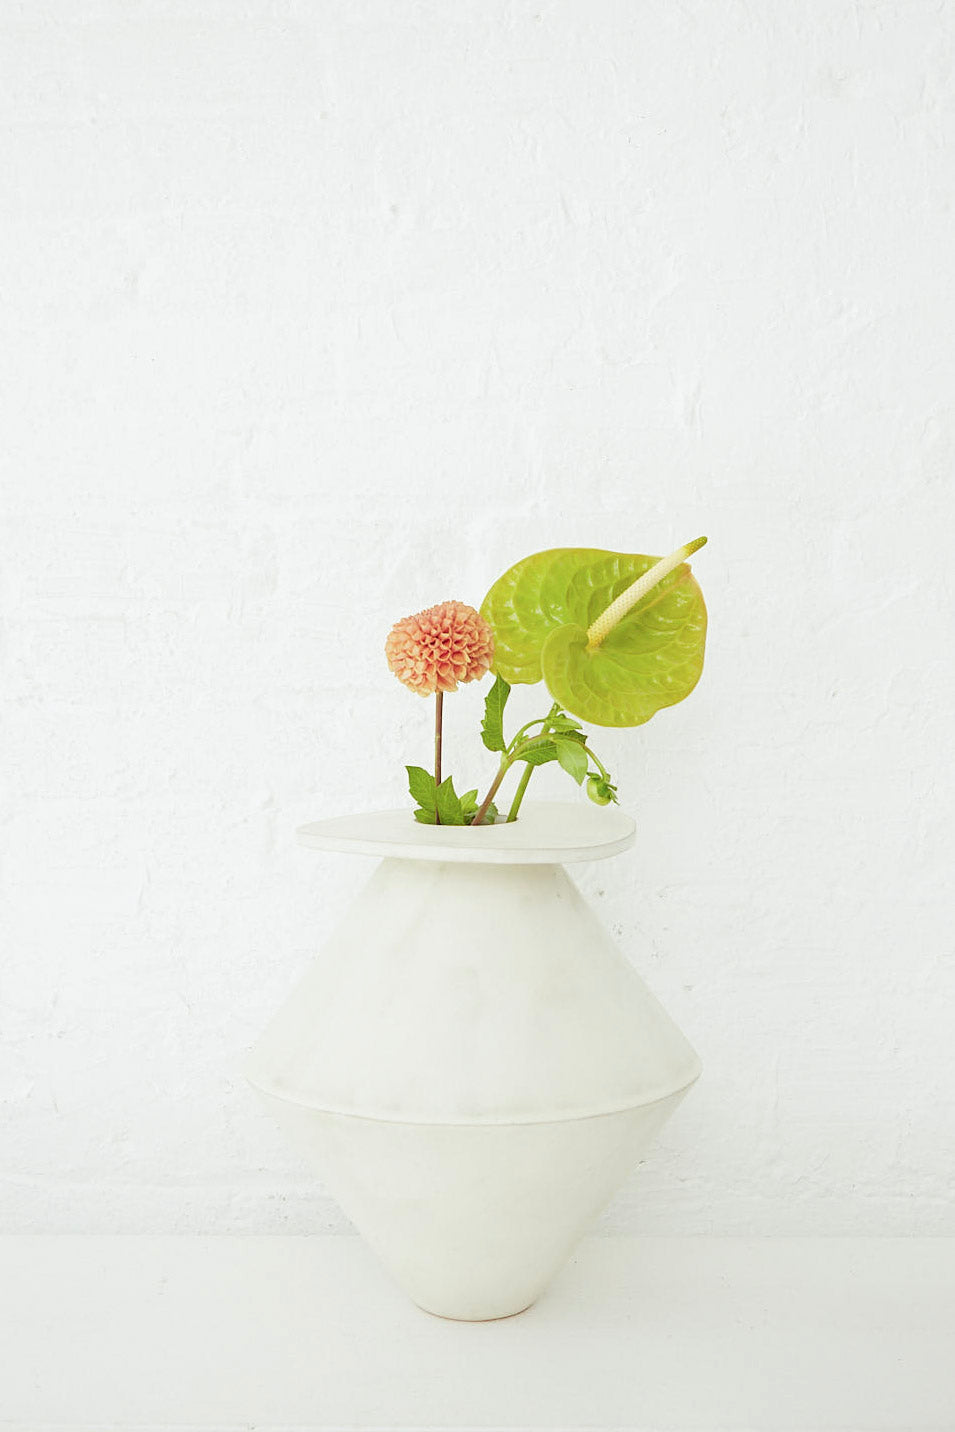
545 833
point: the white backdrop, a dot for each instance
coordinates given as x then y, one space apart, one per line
318 313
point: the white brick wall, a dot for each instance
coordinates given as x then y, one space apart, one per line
316 313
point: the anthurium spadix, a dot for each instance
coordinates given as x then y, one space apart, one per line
614 636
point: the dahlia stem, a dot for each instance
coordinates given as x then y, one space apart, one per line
627 600
438 718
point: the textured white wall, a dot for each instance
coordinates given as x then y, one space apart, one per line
316 313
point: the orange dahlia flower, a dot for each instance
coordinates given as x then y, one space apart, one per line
435 649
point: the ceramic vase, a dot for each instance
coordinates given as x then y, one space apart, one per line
471 1064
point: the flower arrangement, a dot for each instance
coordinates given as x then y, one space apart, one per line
614 637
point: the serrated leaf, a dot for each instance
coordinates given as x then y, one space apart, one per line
540 755
425 817
572 757
492 727
449 806
540 611
490 815
421 786
469 802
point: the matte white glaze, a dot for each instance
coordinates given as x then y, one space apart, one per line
470 1062
479 994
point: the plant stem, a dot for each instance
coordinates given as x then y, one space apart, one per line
528 771
505 766
519 793
438 717
598 763
527 727
513 753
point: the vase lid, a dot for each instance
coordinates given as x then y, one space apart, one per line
545 833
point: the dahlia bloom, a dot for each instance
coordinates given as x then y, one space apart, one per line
435 649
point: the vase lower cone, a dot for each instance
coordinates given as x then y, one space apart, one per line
472 1221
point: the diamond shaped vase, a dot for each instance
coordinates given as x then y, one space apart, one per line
471 1064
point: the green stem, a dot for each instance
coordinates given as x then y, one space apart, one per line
511 754
598 763
540 719
528 772
519 793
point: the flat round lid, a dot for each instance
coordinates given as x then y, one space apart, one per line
545 833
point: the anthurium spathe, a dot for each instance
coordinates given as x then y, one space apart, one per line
614 636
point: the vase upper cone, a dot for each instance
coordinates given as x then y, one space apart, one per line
472 992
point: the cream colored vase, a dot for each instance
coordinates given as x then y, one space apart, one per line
471 1064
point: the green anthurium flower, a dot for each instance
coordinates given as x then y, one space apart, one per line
614 636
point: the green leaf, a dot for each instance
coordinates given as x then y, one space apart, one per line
469 802
579 736
449 806
421 786
563 722
539 755
540 611
492 727
489 818
572 757
425 817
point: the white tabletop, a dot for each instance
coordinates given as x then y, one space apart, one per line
279 1333
545 833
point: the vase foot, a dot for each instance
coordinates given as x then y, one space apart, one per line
470 1318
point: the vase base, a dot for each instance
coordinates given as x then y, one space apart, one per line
475 1318
473 1220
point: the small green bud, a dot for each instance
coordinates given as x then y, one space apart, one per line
598 790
